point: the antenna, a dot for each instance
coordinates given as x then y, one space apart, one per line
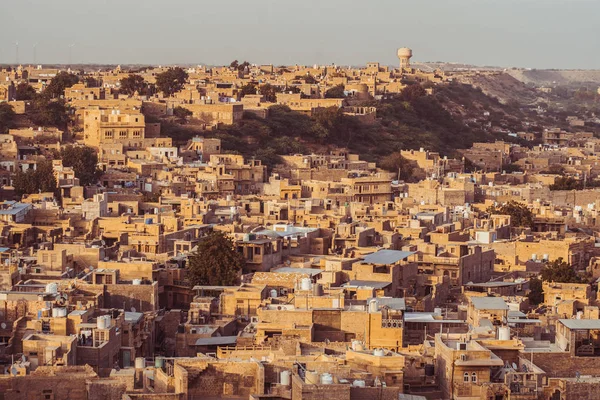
17 53
71 53
34 54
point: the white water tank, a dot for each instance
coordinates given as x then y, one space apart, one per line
504 333
378 352
59 312
305 284
534 257
140 363
285 378
103 322
359 383
273 293
311 378
52 288
137 282
437 311
326 379
357 345
579 314
373 307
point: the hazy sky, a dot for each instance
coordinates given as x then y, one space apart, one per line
523 33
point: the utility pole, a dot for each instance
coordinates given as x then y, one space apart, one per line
34 54
17 53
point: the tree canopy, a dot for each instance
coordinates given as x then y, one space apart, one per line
59 83
181 113
24 91
171 81
520 215
249 88
336 92
560 271
33 181
131 84
269 92
216 262
396 163
7 116
84 161
536 292
48 112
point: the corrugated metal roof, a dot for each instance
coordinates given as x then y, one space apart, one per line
216 341
371 284
489 303
581 323
386 257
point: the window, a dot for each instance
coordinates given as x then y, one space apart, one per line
108 134
466 377
473 377
136 134
122 134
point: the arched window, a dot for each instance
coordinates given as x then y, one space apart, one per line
466 377
473 377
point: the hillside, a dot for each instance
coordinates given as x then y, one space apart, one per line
450 119
546 77
502 86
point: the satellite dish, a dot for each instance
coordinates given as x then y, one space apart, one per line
3 325
14 371
23 358
514 366
132 309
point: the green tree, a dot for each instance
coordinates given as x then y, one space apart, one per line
269 92
171 81
84 161
396 163
243 66
249 88
181 113
25 91
520 215
560 271
131 84
216 261
234 64
336 92
412 92
566 183
59 83
33 181
309 79
536 291
91 82
7 116
48 112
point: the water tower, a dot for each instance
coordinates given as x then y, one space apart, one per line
404 54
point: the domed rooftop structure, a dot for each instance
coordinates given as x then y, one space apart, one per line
404 54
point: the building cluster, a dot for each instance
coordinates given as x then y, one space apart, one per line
356 285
